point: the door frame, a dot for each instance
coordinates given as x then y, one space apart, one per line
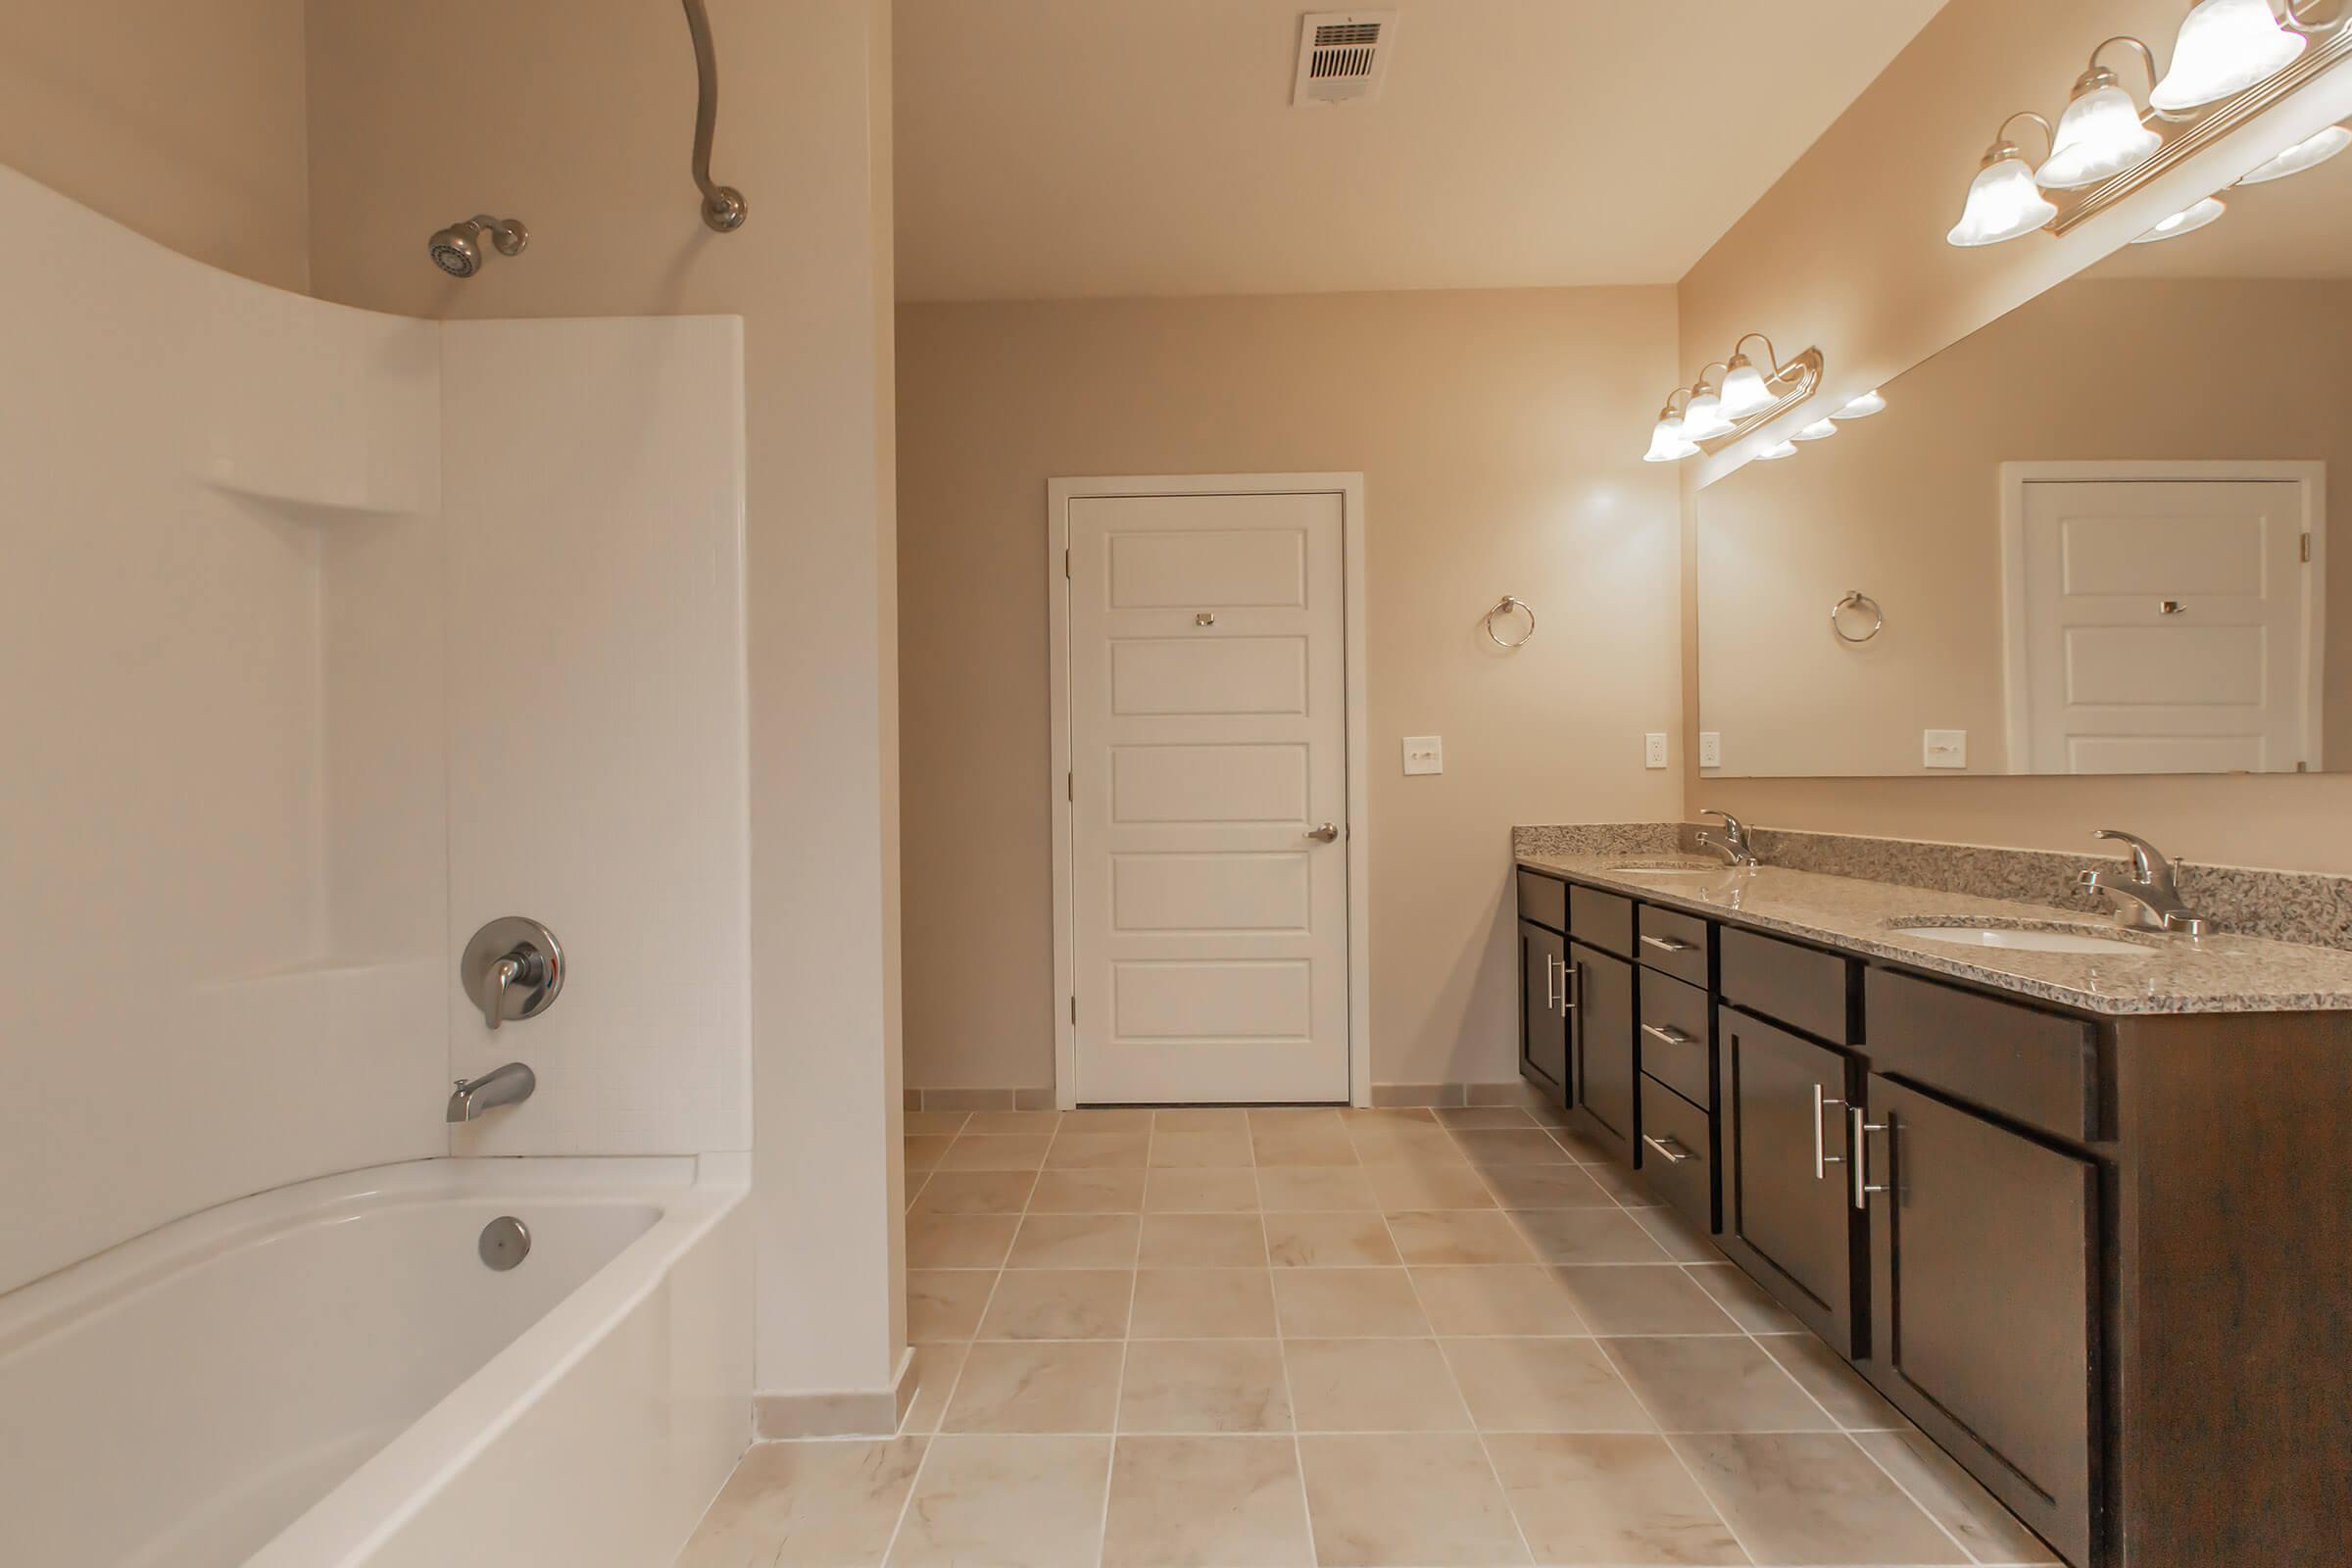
1349 488
2311 476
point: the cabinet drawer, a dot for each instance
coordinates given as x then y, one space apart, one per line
1676 1145
1675 944
1602 920
1803 987
1542 899
1674 1037
2042 1069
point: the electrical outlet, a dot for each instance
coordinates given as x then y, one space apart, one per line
1653 748
1710 748
1943 748
1424 754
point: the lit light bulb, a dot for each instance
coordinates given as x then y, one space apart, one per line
1818 430
1863 407
1666 442
2099 134
1776 452
1704 419
2307 154
1745 391
2224 47
2185 221
2004 201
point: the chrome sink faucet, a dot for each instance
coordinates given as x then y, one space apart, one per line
510 1085
2146 898
1733 845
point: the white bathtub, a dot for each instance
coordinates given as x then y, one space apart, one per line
327 1375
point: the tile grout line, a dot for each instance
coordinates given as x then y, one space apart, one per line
1118 1396
1282 1357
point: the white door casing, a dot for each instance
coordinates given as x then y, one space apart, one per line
1208 941
2163 617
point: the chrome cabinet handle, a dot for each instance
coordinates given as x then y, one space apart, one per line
1667 1034
1551 997
1668 944
1823 1159
1859 1126
1572 991
1324 834
1666 1147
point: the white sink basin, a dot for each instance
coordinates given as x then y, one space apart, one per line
2021 939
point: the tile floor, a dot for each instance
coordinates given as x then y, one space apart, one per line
1337 1338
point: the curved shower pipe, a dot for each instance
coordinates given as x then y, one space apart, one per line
724 207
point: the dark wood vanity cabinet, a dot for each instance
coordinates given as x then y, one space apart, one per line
1787 1215
1543 1007
1602 1045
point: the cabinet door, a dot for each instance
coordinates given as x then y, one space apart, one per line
1602 1037
1544 1006
1787 1215
1986 1301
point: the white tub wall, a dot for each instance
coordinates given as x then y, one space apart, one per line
594 473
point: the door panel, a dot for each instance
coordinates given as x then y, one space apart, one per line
1602 1027
1544 1013
1787 1213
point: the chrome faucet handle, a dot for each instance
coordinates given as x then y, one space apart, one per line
501 976
512 969
2148 864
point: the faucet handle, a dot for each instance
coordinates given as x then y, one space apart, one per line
2148 864
512 969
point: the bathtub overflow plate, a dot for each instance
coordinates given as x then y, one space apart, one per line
506 1241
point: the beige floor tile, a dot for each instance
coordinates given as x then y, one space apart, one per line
1656 1299
1298 1188
1338 1240
1204 1190
1226 1147
925 1152
1075 1240
1544 1386
1200 1119
1107 1119
1460 1236
1205 1502
1088 1192
1059 1304
1406 1501
1750 1308
1295 1116
1490 1148
1484 1118
935 1370
1098 1151
959 1241
1405 1143
1851 1402
1048 1387
1356 1113
975 1191
1548 1187
945 1305
1205 1386
1582 1147
1347 1303
1682 1241
1497 1301
1202 1240
999 1123
1009 1502
995 1153
1586 1236
1952 1497
1204 1303
935 1123
1430 1187
1812 1498
829 1503
1714 1385
1618 1500
1623 1185
1373 1386
1315 1141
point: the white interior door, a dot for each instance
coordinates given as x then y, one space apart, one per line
1207 691
2167 626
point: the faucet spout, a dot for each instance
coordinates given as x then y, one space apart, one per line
510 1085
2146 896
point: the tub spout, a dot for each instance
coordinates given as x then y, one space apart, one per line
510 1085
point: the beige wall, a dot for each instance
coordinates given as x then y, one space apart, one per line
182 120
1847 251
1499 457
577 118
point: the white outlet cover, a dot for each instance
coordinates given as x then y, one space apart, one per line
1424 754
1710 748
1943 748
1653 748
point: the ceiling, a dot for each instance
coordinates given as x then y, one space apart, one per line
1052 149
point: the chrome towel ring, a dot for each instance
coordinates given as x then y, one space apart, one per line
1504 607
1856 600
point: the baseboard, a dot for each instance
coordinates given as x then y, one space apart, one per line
980 1099
837 1413
1394 1097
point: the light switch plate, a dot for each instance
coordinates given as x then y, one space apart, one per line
1710 748
1653 748
1424 754
1943 748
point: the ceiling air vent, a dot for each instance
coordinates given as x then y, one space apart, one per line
1343 55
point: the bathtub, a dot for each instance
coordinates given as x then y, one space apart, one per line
328 1375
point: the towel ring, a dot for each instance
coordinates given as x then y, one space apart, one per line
1504 607
1857 601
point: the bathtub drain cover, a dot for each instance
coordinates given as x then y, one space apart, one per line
506 1241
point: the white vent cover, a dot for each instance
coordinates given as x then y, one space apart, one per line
1343 55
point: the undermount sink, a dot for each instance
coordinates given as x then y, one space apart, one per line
2023 937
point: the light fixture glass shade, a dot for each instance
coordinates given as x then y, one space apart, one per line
1818 430
2003 202
1745 391
1666 443
2307 154
1704 419
2224 47
1863 407
2185 221
2099 134
1776 452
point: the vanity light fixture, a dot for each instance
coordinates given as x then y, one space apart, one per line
1703 419
2185 221
1818 430
2227 46
1863 407
1667 443
2309 152
2100 134
1776 452
2004 201
1749 394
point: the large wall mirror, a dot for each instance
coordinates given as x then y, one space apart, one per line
2092 538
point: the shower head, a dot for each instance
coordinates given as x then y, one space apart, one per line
457 249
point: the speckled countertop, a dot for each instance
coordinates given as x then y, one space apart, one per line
2225 973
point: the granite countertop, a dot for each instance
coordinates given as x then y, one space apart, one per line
2222 973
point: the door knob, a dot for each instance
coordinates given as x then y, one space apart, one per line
1324 834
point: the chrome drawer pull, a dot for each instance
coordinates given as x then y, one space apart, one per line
1666 1147
1667 1034
1572 979
1823 1159
1551 995
1861 1126
1668 944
